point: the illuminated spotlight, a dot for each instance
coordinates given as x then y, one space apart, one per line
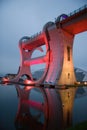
5 80
85 83
77 83
26 81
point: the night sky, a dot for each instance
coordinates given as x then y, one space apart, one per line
20 18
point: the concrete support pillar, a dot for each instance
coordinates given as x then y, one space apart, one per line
56 56
61 63
23 69
67 75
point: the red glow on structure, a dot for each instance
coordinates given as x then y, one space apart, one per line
33 61
28 87
76 23
39 60
34 104
39 41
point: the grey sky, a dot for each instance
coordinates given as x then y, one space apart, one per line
26 17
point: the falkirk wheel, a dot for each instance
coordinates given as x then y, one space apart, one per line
58 61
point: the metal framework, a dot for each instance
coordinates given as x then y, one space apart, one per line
58 38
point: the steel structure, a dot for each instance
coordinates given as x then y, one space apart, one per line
58 37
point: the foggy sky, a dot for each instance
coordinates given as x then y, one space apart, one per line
20 18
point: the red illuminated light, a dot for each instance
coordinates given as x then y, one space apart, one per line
28 87
28 81
5 80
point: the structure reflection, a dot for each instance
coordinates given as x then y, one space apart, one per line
50 110
24 118
67 98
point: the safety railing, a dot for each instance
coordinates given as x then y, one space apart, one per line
77 11
61 19
71 14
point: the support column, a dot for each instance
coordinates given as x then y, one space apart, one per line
23 69
67 75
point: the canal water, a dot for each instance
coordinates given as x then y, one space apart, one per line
38 108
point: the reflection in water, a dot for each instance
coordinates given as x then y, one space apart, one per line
39 108
38 114
67 97
24 118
